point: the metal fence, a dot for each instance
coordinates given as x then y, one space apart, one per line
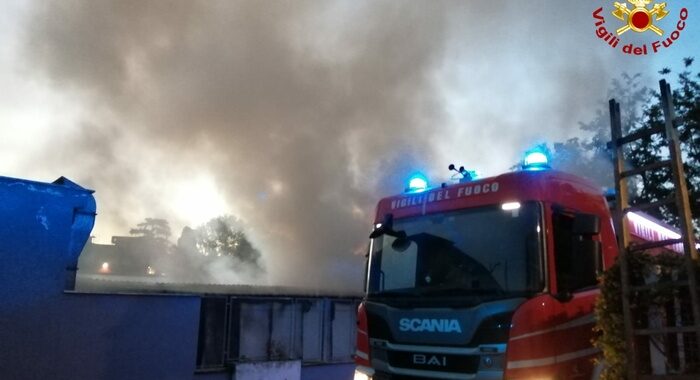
261 328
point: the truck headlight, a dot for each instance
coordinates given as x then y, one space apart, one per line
361 376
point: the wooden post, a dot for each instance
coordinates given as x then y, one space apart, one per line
682 200
623 236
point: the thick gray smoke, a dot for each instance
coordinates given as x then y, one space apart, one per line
305 113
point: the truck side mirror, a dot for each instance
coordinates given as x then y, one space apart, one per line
578 255
586 225
402 242
587 261
386 228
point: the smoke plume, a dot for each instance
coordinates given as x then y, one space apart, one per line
302 114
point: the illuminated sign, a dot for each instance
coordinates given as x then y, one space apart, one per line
430 325
445 195
647 229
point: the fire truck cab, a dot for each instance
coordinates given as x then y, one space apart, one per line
494 278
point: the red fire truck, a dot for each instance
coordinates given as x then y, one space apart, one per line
490 278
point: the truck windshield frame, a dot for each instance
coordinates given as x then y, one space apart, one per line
489 252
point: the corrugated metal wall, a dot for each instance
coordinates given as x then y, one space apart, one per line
251 328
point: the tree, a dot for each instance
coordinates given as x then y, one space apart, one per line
158 229
220 237
657 185
147 247
641 109
649 187
217 252
589 156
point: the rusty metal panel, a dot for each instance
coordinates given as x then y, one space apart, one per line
212 338
284 331
312 329
343 331
255 330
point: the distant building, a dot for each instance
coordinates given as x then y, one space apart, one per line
126 256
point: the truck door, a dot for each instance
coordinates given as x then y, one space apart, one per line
577 259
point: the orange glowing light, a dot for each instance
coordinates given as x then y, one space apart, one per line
105 268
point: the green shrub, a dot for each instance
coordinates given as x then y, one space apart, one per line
663 270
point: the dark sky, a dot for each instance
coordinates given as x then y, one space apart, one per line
296 116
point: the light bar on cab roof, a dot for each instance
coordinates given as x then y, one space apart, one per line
417 183
510 206
536 160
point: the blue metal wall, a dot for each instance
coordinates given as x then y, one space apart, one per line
48 331
48 334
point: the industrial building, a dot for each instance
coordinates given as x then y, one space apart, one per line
52 328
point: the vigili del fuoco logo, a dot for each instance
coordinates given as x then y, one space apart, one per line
642 17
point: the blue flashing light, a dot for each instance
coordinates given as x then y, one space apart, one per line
417 183
536 160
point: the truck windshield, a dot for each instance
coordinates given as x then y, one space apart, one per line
489 252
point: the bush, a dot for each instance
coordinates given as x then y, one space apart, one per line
663 271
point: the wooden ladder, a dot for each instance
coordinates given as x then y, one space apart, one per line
628 248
